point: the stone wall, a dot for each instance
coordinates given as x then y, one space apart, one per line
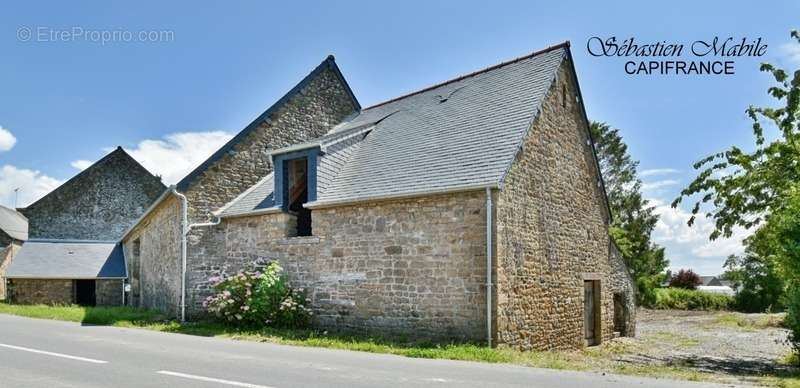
413 267
315 109
552 231
154 271
39 291
108 292
6 254
623 287
312 112
97 204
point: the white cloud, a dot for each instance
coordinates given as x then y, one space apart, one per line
81 164
32 185
689 247
177 154
658 171
650 186
7 139
791 51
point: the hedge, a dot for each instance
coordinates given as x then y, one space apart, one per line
683 299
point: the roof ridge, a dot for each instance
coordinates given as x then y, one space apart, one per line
564 44
117 151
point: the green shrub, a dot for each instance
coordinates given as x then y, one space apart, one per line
685 278
792 320
254 298
683 299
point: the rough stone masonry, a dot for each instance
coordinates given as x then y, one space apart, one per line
412 267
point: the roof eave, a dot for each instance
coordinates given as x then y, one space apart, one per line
270 210
384 197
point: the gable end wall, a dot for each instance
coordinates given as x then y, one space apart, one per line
312 112
552 231
99 204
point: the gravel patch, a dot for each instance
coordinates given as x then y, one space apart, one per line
715 342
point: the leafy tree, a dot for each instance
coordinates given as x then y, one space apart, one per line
757 276
633 217
761 188
745 187
687 279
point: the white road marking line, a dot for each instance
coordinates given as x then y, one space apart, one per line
211 379
55 354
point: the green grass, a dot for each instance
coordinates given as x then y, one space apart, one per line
88 315
747 322
599 358
791 358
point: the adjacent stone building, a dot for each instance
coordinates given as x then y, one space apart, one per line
471 210
13 232
73 253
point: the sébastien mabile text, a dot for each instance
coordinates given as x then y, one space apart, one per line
714 56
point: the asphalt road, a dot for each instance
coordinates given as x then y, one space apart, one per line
42 353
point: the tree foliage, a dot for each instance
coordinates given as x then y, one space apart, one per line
757 276
685 278
633 217
761 189
745 187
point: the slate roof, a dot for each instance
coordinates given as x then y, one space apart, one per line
710 281
68 259
255 199
460 134
13 223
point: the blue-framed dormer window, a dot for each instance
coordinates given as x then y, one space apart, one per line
296 184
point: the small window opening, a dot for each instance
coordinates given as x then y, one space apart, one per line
563 96
297 194
137 248
135 275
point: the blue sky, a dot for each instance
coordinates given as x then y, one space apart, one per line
172 102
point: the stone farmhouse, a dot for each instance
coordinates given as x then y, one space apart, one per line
72 254
13 232
472 209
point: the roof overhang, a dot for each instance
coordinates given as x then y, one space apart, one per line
270 210
349 201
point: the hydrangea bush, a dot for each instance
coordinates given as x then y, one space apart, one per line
258 297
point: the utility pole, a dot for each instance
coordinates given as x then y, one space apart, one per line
16 197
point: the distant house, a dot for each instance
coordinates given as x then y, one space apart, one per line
13 232
710 281
473 209
713 284
72 254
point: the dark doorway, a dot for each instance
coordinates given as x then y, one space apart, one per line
620 314
591 311
297 194
85 292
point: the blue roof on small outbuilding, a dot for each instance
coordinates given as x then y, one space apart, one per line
68 259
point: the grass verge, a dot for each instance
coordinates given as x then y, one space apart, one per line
597 359
750 322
